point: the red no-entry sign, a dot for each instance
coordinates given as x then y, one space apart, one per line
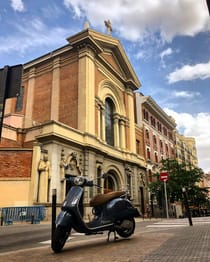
164 176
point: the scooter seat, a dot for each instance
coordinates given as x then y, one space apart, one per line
101 199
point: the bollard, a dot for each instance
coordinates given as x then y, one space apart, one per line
2 220
54 199
32 218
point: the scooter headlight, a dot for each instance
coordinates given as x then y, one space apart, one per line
79 180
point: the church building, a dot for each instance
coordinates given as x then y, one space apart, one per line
75 115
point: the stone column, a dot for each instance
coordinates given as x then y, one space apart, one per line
122 133
103 131
98 108
116 130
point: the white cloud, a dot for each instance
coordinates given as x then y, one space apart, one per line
185 94
197 126
17 5
135 20
190 72
32 34
163 54
166 52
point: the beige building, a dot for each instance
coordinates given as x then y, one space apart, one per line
186 150
75 115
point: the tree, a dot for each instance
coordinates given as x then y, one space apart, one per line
180 176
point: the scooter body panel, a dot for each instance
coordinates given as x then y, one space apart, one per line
64 219
119 208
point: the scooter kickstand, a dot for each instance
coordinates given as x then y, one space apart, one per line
109 233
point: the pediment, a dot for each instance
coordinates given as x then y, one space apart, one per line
111 53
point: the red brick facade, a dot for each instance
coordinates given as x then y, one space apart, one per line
15 163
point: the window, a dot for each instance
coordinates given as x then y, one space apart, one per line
19 102
153 121
170 135
147 134
148 153
146 115
165 132
147 137
109 121
138 147
150 175
156 157
154 140
167 151
159 127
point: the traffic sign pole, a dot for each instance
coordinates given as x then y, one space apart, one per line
164 178
166 198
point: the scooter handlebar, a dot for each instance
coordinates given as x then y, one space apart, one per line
89 183
81 181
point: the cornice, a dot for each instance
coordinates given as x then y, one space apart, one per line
47 56
153 106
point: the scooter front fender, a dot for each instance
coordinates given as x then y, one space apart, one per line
64 219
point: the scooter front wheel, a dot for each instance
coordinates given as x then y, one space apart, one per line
125 227
59 239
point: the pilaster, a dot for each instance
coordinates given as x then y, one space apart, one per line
55 90
131 121
30 98
86 90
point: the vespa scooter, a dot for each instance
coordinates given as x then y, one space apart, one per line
113 212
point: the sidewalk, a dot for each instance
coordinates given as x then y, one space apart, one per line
187 244
190 243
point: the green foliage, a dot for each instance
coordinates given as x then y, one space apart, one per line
180 176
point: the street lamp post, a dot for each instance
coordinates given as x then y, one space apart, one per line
187 206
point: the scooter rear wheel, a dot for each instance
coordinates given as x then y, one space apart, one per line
59 239
125 227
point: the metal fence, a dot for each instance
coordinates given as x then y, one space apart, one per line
33 214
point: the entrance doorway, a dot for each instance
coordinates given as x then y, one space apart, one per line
110 183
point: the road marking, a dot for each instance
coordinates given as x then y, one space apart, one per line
151 226
172 223
48 242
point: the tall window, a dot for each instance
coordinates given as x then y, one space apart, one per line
19 103
109 121
137 146
148 153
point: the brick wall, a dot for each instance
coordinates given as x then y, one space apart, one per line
15 163
68 111
42 98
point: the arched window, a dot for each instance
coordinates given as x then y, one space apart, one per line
109 121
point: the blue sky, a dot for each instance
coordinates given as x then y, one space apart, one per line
167 42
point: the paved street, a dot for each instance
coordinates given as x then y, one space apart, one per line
157 240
